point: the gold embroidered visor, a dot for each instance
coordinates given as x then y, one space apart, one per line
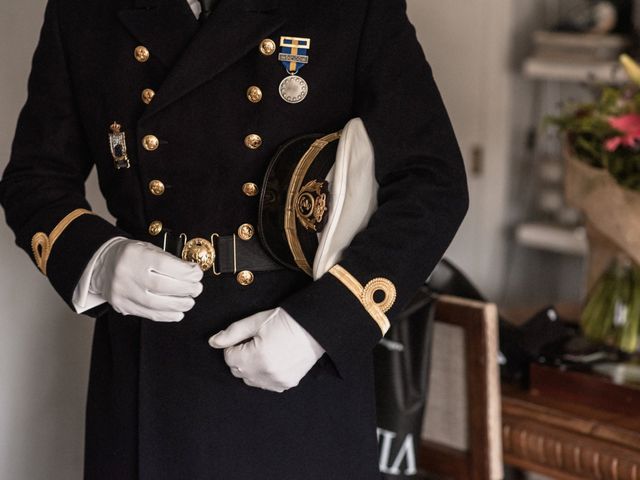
296 198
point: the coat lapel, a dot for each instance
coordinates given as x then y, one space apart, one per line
165 27
234 28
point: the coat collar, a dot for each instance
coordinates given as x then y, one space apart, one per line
165 27
196 54
247 5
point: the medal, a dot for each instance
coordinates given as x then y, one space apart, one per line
293 89
118 145
293 55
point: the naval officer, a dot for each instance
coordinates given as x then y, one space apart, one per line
211 359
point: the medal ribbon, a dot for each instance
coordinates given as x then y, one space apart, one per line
293 53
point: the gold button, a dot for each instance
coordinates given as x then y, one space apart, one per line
245 278
147 95
141 53
267 47
254 94
156 187
150 143
250 189
246 231
253 141
155 227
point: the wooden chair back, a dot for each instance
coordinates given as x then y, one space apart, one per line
461 436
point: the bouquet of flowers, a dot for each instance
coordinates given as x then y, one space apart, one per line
603 181
606 133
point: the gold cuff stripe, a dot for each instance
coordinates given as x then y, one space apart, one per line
366 295
41 243
294 187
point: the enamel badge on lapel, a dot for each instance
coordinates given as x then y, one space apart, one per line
293 55
118 145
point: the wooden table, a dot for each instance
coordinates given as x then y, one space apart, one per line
567 441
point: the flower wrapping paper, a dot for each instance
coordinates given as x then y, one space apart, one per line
612 214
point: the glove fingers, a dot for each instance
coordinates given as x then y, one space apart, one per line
162 303
279 354
155 315
166 264
168 303
164 285
264 386
239 331
239 357
167 317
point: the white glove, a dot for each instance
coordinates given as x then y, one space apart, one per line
138 278
277 352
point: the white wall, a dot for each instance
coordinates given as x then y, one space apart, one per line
44 348
469 44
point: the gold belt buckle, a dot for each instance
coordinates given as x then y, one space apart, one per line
200 251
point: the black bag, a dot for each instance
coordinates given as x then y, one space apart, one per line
402 374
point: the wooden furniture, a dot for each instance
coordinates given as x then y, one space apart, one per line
461 431
568 441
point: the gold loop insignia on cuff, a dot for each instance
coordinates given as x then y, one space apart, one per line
380 285
366 295
41 243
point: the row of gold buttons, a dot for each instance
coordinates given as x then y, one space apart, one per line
254 94
142 55
150 142
246 231
252 141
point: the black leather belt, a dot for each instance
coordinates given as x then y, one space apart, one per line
218 253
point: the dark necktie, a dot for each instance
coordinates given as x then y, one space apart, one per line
207 8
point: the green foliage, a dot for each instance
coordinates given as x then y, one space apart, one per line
586 128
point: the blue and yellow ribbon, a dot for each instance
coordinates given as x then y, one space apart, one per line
294 53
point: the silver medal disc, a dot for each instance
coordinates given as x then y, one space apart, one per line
293 89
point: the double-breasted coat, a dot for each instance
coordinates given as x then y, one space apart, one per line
162 404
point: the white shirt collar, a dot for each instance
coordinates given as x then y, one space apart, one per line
195 6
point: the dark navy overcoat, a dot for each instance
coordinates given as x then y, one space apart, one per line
162 404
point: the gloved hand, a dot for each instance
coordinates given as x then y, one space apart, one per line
138 278
277 354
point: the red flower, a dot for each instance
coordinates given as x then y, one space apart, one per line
629 126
